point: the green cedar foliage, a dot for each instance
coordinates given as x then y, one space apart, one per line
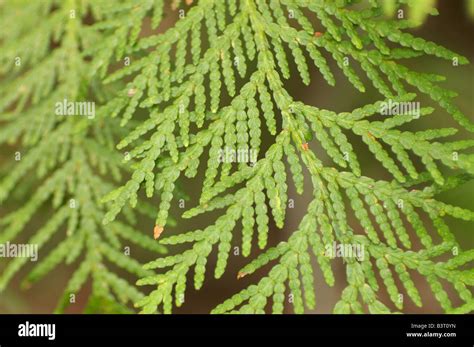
215 80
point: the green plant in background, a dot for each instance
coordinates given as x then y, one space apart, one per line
470 7
419 10
216 80
64 164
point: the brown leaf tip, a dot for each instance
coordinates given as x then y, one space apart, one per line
157 231
241 274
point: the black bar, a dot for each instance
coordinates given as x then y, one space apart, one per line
366 329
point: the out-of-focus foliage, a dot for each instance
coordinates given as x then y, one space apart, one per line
420 10
63 164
